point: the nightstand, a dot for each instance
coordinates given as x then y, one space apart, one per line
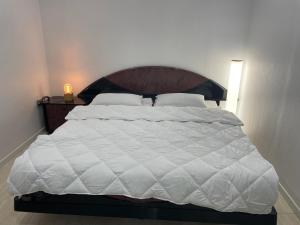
56 109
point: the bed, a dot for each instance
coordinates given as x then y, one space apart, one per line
174 163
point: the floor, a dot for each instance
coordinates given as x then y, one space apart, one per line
9 217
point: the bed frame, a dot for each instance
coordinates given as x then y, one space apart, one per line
147 81
132 208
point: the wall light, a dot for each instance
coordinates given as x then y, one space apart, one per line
68 92
234 83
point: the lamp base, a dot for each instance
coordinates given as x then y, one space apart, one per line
68 97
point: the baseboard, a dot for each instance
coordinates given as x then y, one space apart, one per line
290 200
20 148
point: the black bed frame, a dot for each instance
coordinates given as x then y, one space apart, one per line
111 207
147 81
150 81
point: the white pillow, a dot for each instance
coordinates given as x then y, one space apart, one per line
147 102
211 104
180 99
117 99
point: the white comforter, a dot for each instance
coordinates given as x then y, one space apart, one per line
179 154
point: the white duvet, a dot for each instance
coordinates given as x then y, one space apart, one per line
179 154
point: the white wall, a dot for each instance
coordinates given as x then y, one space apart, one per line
23 73
90 40
270 104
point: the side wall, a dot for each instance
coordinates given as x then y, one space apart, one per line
23 72
270 94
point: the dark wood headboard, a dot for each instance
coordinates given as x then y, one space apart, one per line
150 81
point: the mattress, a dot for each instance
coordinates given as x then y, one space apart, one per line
184 155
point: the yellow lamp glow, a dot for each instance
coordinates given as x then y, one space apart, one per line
234 83
68 92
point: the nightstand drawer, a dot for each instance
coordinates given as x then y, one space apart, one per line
56 110
70 107
56 115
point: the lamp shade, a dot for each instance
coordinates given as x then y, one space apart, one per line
234 83
68 89
68 92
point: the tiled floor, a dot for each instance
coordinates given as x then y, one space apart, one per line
9 217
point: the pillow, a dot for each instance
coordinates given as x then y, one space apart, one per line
180 99
211 104
147 102
117 99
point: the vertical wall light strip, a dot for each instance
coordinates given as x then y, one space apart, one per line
234 83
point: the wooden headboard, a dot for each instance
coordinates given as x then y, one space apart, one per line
150 81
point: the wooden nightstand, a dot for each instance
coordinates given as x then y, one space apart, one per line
56 109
